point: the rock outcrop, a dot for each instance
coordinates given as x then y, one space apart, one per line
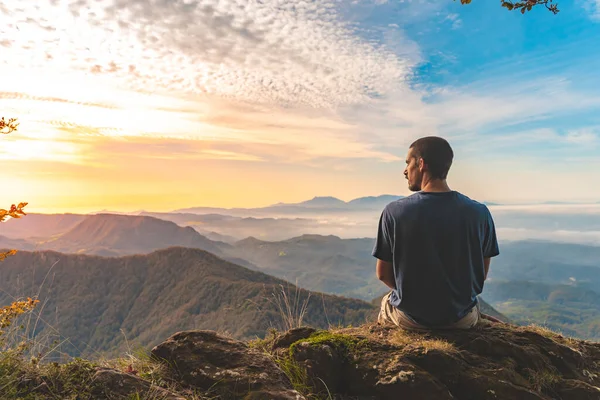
224 367
371 362
109 384
491 362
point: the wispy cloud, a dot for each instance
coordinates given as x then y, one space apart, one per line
47 150
593 7
298 61
454 20
284 52
562 236
270 72
589 136
500 100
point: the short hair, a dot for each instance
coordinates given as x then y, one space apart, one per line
436 153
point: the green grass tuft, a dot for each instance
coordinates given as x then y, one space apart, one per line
344 343
26 380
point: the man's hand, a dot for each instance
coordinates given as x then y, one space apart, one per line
385 273
490 318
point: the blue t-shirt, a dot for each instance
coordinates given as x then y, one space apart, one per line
437 243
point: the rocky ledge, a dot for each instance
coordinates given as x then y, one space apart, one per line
494 361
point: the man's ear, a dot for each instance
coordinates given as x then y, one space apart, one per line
422 165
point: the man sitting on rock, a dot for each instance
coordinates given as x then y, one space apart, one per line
433 247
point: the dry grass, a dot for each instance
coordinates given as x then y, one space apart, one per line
139 362
156 373
59 381
25 359
543 380
550 334
292 309
541 330
264 344
420 341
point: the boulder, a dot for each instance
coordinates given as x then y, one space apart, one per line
494 361
224 367
577 390
110 384
375 371
287 338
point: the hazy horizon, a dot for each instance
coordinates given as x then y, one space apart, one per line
490 202
564 223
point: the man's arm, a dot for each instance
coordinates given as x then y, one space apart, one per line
486 265
490 243
383 251
385 273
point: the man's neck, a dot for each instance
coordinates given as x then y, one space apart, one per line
436 186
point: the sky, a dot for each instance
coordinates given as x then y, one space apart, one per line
164 104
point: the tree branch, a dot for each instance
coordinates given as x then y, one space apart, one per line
9 126
525 6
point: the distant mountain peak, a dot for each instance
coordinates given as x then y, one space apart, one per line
113 234
333 202
323 201
326 198
250 240
375 199
314 238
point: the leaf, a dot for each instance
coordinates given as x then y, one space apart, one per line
14 212
5 255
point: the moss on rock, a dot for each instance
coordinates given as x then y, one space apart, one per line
345 344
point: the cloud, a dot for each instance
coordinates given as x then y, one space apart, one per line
29 97
455 20
290 58
283 52
494 114
568 210
561 236
537 142
47 150
593 8
500 100
589 136
274 72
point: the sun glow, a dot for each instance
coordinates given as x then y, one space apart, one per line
38 150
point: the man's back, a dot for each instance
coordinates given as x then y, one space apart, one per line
437 242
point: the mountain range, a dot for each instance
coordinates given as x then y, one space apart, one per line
322 263
326 263
230 229
108 235
40 225
325 204
100 303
